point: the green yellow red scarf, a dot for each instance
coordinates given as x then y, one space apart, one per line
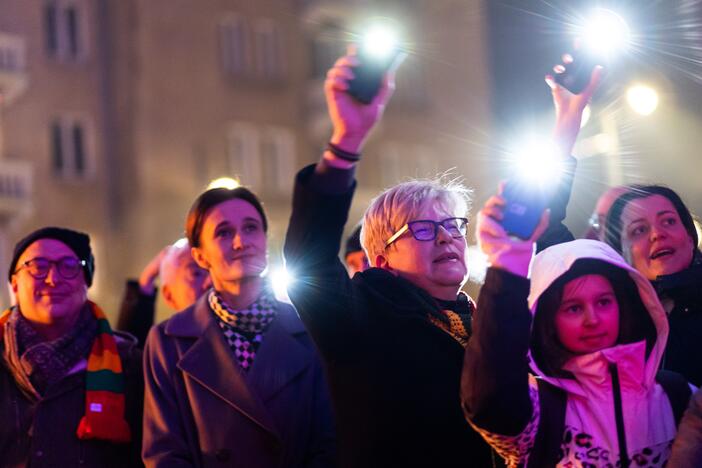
104 382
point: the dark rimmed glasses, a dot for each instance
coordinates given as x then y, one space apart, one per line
427 229
38 268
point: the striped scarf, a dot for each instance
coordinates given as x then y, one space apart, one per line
104 379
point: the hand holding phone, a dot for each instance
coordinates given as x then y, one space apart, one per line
368 75
525 204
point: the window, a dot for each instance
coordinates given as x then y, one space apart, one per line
269 54
252 49
64 29
235 46
243 154
11 53
278 155
70 155
327 46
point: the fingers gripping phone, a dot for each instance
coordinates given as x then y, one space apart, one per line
577 73
368 75
524 206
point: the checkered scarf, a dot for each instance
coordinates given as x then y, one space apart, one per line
244 328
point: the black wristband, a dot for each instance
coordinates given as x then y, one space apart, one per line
345 155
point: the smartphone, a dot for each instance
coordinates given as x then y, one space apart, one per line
577 73
525 203
368 75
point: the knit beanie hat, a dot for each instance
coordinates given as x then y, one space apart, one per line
78 242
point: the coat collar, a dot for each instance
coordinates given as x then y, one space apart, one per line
280 358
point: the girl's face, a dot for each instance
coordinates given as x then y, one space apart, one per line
654 239
588 318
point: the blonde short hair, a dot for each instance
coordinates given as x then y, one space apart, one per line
393 208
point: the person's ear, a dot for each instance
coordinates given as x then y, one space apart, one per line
167 296
13 284
381 261
199 258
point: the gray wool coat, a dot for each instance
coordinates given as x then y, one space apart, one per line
202 410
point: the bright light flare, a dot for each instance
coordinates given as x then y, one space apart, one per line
642 99
224 182
477 264
538 162
605 33
587 113
280 280
380 41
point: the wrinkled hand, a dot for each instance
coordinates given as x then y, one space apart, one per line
353 120
570 107
505 252
148 276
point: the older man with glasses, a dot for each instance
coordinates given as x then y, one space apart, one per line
71 390
393 337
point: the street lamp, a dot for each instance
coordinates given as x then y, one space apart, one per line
642 99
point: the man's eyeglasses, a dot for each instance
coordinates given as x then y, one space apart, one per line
427 230
39 267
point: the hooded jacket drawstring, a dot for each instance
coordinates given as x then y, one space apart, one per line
619 416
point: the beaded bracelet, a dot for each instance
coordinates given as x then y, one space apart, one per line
345 155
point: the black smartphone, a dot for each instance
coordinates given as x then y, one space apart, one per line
525 203
368 75
577 73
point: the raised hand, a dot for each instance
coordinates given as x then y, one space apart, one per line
505 252
352 120
570 107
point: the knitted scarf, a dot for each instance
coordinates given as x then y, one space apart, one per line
455 317
104 379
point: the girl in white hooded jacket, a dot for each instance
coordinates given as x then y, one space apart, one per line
593 332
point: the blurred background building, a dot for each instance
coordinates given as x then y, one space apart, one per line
115 114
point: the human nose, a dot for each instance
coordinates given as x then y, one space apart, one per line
442 235
657 232
590 317
52 275
237 241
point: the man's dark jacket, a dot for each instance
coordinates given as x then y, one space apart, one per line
43 433
394 376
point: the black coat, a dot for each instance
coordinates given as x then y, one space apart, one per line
43 433
681 294
394 377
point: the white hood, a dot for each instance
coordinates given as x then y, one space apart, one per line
555 261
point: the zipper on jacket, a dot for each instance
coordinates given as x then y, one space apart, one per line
624 461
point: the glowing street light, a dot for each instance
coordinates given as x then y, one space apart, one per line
224 182
642 99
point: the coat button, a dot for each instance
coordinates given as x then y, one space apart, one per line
223 455
39 453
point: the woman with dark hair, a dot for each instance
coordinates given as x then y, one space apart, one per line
654 231
598 334
234 379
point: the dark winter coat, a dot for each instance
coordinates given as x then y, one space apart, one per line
202 410
43 433
394 376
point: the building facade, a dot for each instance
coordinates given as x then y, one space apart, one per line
117 113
